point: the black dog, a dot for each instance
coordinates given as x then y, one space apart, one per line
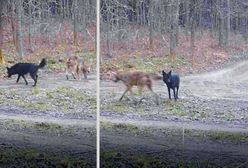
172 81
22 69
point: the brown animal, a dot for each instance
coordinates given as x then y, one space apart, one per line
85 69
136 78
75 67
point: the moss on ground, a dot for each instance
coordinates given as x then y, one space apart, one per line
61 99
18 157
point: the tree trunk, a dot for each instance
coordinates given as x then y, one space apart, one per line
177 20
19 27
173 29
150 21
75 22
13 25
1 36
221 25
228 25
221 31
29 24
187 19
108 34
192 41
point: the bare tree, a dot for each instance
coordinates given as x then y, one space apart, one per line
228 22
19 34
173 27
1 35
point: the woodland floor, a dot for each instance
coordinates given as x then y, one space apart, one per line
207 126
50 125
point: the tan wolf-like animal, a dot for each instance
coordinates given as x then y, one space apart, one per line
75 67
85 69
136 78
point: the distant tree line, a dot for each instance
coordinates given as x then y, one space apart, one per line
221 17
45 17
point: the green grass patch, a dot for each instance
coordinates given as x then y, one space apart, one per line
3 69
122 127
92 101
35 91
228 136
113 158
18 157
127 127
118 107
42 106
60 99
47 126
174 108
122 108
72 93
16 123
234 137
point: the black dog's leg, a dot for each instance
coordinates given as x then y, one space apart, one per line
177 91
18 78
174 92
169 93
25 79
34 77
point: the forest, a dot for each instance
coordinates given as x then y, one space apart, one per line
44 122
174 77
172 89
197 32
47 28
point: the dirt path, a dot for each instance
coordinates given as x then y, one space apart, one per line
215 97
213 104
229 83
48 80
57 116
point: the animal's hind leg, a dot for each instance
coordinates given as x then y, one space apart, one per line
123 94
73 75
140 93
156 96
25 79
85 76
169 93
34 77
66 74
174 92
128 89
18 78
177 91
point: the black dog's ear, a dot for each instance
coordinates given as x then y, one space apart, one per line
7 68
163 72
169 73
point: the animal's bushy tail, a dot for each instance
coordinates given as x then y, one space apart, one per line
42 63
155 76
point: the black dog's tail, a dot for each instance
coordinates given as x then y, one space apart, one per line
42 63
